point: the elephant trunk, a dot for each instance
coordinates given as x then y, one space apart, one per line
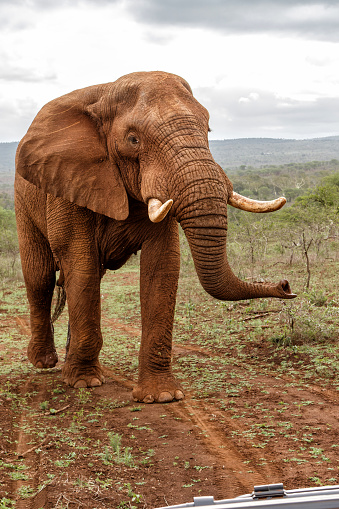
205 227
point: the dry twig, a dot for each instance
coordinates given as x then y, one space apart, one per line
52 411
23 454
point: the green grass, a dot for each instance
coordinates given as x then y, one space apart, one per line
231 348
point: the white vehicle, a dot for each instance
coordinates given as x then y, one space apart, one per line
272 496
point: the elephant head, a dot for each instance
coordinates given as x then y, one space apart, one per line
145 138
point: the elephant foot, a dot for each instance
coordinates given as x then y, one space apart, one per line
42 358
154 390
79 376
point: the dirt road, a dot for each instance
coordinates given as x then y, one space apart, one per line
97 448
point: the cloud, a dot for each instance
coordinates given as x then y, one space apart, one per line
16 116
52 4
19 15
158 37
12 73
242 58
309 18
12 70
252 114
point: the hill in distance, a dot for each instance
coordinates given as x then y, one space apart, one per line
230 154
7 156
260 152
254 152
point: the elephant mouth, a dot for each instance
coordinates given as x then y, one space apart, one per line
157 211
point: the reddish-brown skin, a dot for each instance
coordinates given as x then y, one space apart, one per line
85 171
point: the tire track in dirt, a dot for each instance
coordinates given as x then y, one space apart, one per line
328 395
217 431
212 427
24 447
229 462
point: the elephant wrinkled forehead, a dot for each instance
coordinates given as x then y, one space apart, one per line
161 91
153 80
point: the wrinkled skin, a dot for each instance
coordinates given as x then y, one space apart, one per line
85 172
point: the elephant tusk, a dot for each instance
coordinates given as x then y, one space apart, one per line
157 211
243 203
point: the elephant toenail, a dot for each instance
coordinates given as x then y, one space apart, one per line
39 365
148 399
95 382
80 384
165 397
179 395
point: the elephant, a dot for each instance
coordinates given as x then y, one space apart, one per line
106 171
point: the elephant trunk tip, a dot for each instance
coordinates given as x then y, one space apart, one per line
284 290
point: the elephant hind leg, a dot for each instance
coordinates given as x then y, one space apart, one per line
38 269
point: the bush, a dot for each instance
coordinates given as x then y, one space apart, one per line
305 323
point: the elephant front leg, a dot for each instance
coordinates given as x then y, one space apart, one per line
84 339
160 262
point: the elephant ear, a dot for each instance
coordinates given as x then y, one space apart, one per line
64 153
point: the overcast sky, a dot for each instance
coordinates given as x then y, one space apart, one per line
263 68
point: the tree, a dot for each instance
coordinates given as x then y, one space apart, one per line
9 247
313 219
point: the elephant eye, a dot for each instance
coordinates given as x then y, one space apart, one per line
132 139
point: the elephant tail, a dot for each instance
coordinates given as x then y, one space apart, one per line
60 304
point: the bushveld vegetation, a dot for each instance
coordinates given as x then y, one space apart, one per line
299 242
308 224
9 248
260 152
253 370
